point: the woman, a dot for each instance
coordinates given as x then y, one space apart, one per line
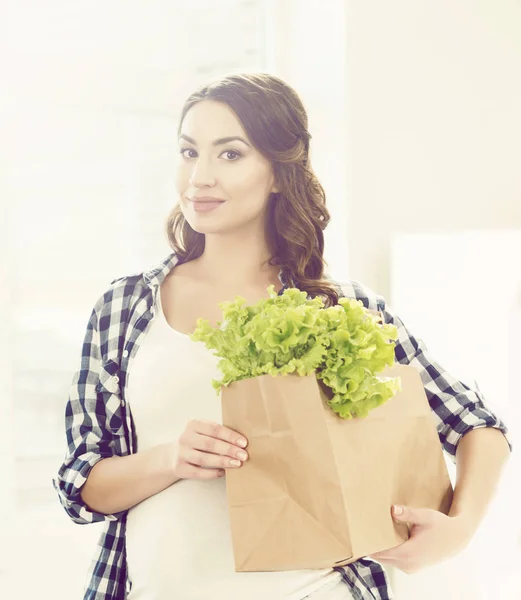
146 448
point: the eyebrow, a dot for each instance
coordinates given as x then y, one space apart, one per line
218 142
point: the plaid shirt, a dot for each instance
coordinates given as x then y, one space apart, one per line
99 424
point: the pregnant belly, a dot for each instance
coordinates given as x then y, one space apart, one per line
179 546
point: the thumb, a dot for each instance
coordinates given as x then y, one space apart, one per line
417 516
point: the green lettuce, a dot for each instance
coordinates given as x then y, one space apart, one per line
344 346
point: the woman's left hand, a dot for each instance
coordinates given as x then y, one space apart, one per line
434 537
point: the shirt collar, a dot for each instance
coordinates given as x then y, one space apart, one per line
155 276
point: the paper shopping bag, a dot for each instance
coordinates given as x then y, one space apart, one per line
317 490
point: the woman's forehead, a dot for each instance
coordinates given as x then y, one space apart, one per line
208 121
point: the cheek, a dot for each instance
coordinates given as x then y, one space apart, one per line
250 182
182 177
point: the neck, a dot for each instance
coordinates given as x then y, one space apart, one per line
233 259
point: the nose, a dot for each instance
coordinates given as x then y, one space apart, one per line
202 175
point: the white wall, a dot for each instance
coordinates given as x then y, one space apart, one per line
6 405
472 328
309 52
434 125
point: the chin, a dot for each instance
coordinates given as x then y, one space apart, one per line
215 223
206 229
206 225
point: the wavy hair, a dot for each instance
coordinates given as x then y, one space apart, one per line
276 122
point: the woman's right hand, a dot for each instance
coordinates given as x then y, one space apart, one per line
205 449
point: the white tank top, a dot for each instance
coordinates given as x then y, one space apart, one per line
178 541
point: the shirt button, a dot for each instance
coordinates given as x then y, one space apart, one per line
122 402
125 354
116 379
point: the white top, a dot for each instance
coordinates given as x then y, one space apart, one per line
178 541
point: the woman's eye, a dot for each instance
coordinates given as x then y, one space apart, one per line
232 152
183 150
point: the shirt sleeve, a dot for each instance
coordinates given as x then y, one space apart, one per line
88 434
456 407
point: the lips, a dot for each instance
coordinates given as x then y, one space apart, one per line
206 200
206 205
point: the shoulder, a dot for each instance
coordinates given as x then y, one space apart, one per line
359 291
127 283
118 296
124 291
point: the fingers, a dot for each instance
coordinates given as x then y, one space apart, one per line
214 430
205 448
213 438
387 555
395 553
195 472
211 461
403 556
383 558
416 516
213 446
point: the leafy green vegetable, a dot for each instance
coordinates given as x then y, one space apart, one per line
344 345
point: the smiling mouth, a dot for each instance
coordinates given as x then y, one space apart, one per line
206 205
207 201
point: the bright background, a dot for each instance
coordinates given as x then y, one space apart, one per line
414 113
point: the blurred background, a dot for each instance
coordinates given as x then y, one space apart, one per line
414 112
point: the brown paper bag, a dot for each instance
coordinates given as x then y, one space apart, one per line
317 490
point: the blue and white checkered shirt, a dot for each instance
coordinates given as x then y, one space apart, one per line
99 424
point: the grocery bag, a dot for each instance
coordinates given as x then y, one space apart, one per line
317 489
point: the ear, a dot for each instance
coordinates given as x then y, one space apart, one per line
274 187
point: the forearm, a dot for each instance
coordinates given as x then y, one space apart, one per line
480 458
120 482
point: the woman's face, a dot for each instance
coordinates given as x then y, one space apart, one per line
232 171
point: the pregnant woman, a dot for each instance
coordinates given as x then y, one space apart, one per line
147 452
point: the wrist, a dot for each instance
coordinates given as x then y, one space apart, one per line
167 456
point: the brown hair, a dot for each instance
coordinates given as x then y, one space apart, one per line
276 123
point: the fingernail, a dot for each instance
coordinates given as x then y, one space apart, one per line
242 443
398 510
235 463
